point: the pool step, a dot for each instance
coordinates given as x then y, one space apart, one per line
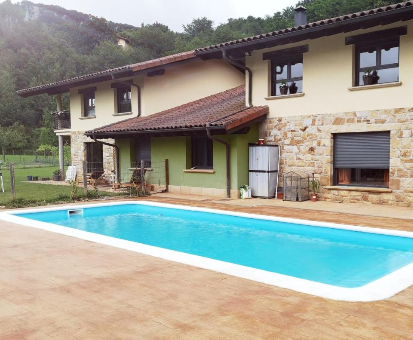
74 212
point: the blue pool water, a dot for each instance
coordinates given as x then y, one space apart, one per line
337 257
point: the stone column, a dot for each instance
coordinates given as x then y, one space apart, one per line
61 158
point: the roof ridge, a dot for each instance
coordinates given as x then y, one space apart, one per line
321 22
148 63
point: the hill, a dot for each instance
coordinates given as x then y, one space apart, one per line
41 43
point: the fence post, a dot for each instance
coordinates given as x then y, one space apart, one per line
143 176
84 163
13 181
166 174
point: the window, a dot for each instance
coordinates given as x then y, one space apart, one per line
381 58
362 159
143 150
94 157
286 65
289 71
202 155
89 104
124 99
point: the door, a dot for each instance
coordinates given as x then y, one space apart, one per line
260 184
94 157
258 158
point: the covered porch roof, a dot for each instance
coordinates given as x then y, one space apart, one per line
222 113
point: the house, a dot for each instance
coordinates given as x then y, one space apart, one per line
123 42
159 110
343 113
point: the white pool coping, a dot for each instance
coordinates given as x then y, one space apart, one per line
380 289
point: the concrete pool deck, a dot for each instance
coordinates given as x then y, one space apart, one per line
57 287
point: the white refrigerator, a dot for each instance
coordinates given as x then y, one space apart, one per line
263 170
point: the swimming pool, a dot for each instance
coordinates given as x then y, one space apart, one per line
329 260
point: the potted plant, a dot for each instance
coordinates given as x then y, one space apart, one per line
370 77
315 186
283 87
293 88
56 175
375 77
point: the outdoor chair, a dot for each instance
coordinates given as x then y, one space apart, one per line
135 180
92 178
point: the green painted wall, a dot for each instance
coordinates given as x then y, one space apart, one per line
127 156
177 151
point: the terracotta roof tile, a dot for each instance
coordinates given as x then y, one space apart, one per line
323 22
225 109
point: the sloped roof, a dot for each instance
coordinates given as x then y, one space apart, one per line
317 24
225 110
377 16
106 74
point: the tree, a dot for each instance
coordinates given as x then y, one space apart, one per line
157 38
200 26
12 137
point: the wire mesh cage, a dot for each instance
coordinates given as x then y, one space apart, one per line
296 186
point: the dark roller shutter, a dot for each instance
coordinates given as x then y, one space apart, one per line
370 150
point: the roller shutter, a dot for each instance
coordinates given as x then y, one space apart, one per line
370 150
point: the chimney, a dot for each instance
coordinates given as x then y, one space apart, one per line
300 16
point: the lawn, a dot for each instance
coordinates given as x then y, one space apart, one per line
32 193
30 160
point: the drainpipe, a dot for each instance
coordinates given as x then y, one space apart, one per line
128 84
247 69
227 149
117 154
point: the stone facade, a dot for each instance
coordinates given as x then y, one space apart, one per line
78 140
307 144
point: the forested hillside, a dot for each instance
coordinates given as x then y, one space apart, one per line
40 44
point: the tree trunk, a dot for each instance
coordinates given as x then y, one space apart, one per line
3 149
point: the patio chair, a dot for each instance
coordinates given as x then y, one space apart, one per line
135 180
71 173
92 177
96 176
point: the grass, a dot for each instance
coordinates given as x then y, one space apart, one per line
34 194
30 160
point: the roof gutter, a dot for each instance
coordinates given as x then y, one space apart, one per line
117 154
227 152
129 84
247 69
209 127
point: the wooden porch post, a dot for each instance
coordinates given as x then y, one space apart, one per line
61 158
59 106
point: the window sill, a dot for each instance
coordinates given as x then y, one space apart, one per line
364 189
375 86
285 96
146 169
90 117
122 114
199 171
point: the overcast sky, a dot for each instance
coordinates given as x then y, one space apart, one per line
173 13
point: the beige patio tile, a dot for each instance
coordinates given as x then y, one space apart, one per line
58 287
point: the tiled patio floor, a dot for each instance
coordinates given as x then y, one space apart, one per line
57 287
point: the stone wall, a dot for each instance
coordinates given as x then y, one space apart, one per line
307 145
78 152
